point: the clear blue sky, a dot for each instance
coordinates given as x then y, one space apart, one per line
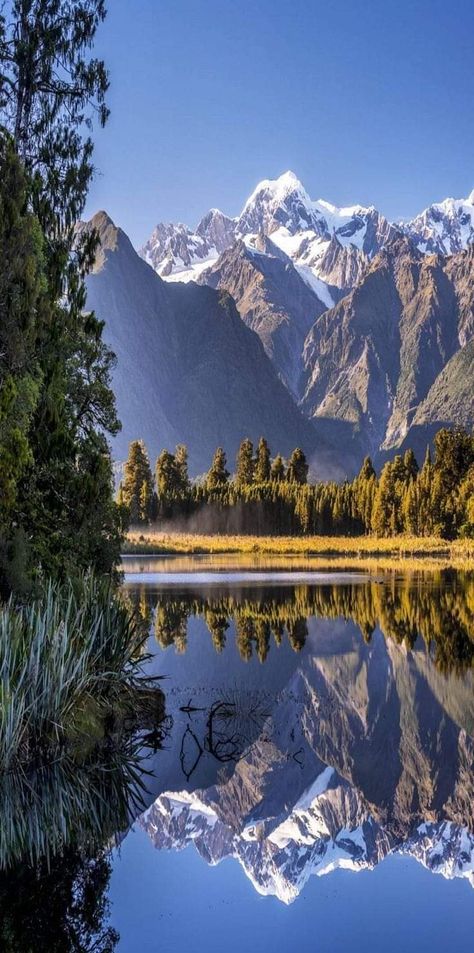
367 101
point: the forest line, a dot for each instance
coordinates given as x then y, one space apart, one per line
268 496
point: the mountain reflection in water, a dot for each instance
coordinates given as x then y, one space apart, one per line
315 726
316 722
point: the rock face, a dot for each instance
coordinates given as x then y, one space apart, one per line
445 227
350 753
395 352
271 298
217 229
188 369
175 250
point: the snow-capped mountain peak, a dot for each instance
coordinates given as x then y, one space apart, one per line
443 228
279 861
276 203
328 244
277 189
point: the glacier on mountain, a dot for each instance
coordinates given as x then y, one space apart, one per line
304 228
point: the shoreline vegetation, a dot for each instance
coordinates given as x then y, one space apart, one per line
72 665
268 497
77 705
358 548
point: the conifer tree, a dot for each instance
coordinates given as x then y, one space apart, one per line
364 492
297 467
244 471
218 474
454 455
182 475
465 505
262 462
51 89
278 472
410 464
23 312
166 476
384 503
136 488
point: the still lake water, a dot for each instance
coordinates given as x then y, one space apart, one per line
314 787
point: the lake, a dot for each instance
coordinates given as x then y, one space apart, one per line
313 788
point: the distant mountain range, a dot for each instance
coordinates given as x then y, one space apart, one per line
368 324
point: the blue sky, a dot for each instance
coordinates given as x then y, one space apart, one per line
367 101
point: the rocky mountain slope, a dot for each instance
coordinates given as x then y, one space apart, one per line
370 331
397 351
444 227
188 369
272 299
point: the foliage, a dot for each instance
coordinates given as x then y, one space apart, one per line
218 474
136 488
56 404
77 646
436 501
245 464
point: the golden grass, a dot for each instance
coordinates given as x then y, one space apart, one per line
360 548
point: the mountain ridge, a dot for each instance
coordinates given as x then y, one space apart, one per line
188 368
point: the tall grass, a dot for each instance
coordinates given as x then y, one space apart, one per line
76 648
150 542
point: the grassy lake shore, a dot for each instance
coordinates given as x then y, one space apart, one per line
439 552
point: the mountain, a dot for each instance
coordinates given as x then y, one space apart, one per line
188 369
328 245
443 228
396 351
271 298
368 324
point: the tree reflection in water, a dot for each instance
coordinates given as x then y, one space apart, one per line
435 608
59 821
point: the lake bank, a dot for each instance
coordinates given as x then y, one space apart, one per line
350 550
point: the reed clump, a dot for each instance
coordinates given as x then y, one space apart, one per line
70 660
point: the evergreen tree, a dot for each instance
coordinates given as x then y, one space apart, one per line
411 465
297 467
218 474
278 472
244 471
383 516
182 475
51 88
262 462
23 311
366 471
136 488
454 455
166 476
364 493
262 470
465 505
